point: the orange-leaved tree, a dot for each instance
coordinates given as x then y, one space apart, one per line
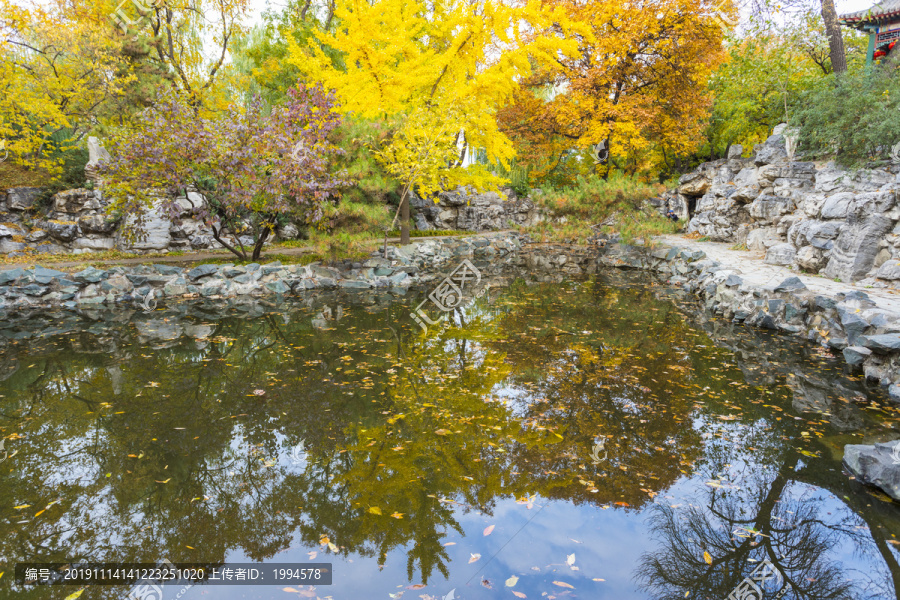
638 81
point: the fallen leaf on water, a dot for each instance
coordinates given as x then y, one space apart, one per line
76 594
564 584
473 558
21 506
488 530
512 581
570 560
397 515
312 554
415 586
333 548
374 510
450 544
519 594
290 589
707 557
443 432
259 392
166 481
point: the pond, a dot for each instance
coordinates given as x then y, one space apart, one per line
596 439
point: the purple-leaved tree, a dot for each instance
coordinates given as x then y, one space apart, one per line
256 169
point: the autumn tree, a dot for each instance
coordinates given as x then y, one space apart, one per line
255 168
395 57
58 68
637 81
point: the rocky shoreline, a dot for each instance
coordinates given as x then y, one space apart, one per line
146 285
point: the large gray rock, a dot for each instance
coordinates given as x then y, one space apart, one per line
64 231
156 234
770 151
890 270
810 259
853 254
877 465
22 198
782 254
693 184
837 206
770 209
76 201
885 342
96 224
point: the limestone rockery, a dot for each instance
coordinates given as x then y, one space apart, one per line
814 217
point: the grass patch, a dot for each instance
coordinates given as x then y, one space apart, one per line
419 233
593 205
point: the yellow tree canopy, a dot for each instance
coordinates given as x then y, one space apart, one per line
57 65
398 56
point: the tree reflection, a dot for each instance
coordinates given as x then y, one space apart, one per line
760 512
171 435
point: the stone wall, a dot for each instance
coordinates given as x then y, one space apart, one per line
77 221
142 286
814 217
467 210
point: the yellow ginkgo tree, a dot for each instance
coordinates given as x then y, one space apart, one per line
441 69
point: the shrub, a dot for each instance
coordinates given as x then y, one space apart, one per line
855 117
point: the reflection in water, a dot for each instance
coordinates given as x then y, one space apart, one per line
175 435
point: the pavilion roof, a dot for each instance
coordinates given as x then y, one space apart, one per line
887 10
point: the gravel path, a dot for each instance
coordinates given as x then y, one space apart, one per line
755 272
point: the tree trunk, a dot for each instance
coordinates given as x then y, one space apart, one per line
835 39
217 235
263 236
404 218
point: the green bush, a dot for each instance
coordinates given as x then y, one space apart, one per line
593 205
855 117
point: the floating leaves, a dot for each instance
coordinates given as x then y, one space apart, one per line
563 584
708 558
488 530
511 582
76 594
474 558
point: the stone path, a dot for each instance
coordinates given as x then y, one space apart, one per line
755 272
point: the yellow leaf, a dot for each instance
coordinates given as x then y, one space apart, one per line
564 584
20 507
707 557
76 594
397 515
473 558
375 510
290 589
512 581
443 432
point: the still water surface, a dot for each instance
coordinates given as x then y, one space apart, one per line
586 439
